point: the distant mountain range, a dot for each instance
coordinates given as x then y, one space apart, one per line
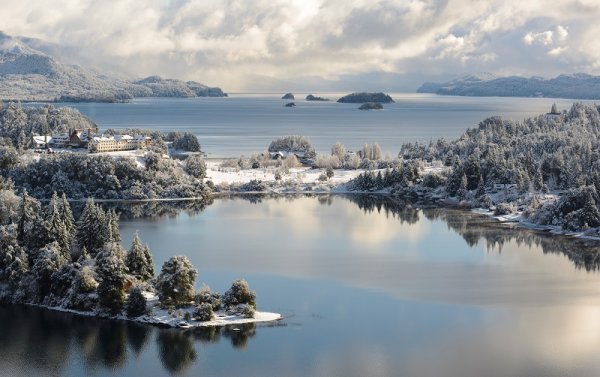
28 74
575 86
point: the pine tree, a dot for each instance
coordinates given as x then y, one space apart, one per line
135 305
67 216
139 261
55 227
49 261
175 283
29 212
113 226
92 228
112 272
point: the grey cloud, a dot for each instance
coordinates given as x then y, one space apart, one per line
230 42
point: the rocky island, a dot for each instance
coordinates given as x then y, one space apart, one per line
364 97
288 96
310 97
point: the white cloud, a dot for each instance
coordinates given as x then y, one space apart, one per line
228 42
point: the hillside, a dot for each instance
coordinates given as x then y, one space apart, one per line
574 86
28 74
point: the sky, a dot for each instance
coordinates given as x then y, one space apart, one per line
258 45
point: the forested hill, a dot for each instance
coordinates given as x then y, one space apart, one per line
577 86
560 151
29 74
545 168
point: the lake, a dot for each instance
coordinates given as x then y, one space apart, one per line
368 287
247 123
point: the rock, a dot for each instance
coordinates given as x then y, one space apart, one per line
363 97
310 97
288 96
290 104
371 106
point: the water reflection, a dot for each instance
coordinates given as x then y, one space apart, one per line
46 341
584 253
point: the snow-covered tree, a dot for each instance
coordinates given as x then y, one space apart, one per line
48 261
175 283
92 228
135 305
239 293
56 227
113 226
204 312
112 273
195 166
139 260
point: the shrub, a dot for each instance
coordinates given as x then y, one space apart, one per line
204 312
206 296
329 172
298 144
504 209
239 293
247 311
253 185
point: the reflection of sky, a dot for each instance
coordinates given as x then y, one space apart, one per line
303 238
363 295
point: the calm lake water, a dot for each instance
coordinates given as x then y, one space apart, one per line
247 123
368 287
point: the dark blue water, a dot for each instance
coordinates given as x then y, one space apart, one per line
368 288
246 123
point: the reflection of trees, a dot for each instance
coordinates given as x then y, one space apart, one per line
390 207
176 349
475 228
137 336
149 210
240 334
207 334
44 339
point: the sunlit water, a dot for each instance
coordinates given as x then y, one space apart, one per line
247 123
367 288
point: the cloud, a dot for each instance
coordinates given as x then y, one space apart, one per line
230 42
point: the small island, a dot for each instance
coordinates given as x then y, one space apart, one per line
288 96
290 104
371 106
363 97
310 97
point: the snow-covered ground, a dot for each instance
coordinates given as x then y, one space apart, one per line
176 318
302 175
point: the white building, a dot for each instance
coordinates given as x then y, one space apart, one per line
117 143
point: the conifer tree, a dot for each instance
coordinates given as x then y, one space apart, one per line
67 216
175 284
92 228
139 261
55 227
135 305
112 272
113 226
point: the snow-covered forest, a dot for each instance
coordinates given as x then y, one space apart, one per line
546 167
99 176
48 258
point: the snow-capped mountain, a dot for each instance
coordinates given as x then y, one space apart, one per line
29 74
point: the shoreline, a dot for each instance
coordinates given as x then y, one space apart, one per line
220 320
